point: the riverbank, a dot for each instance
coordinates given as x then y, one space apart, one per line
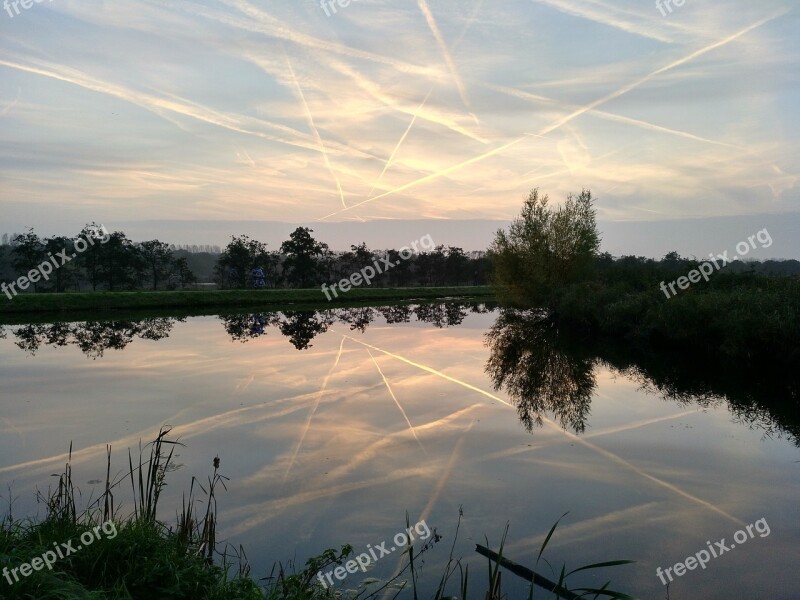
69 303
98 554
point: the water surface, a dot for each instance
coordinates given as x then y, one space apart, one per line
333 425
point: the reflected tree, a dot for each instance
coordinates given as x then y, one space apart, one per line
528 361
243 328
767 401
357 318
302 327
400 313
93 338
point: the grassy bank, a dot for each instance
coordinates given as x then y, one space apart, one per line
201 300
98 555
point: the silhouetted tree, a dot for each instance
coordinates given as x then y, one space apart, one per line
240 256
158 258
27 253
545 249
302 256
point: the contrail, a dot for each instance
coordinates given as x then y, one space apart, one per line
448 57
13 103
455 457
313 127
597 16
264 23
535 98
159 105
564 120
400 143
433 176
682 61
379 94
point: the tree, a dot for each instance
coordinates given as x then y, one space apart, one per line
240 256
545 249
158 258
90 258
182 272
120 262
61 275
432 265
27 253
456 265
302 256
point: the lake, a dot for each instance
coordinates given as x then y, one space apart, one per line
333 425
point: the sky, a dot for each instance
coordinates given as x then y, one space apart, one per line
285 110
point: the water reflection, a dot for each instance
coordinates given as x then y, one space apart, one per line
547 371
542 369
301 327
92 338
530 361
765 399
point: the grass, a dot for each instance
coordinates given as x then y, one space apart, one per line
202 300
122 558
108 557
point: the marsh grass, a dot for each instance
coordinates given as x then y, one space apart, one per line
148 559
302 585
145 559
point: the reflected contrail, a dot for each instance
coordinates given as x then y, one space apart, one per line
455 457
597 449
371 451
186 431
264 510
429 370
391 393
313 410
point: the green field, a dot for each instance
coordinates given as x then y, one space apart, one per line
22 307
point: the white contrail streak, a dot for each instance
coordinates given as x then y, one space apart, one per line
399 143
313 127
575 114
448 56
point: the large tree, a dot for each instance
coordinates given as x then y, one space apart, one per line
240 256
545 249
158 258
182 273
90 258
121 265
27 253
66 272
302 253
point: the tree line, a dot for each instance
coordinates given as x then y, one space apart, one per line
302 261
120 264
116 264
